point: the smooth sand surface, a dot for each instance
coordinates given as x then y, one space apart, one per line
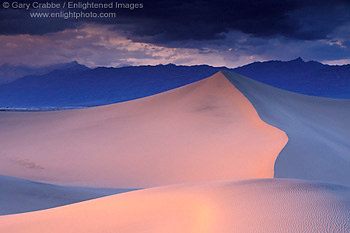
269 205
18 196
318 130
204 131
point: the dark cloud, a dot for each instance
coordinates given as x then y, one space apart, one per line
164 22
19 22
220 32
206 20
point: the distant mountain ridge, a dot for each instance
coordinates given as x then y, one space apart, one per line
75 86
99 86
309 78
10 73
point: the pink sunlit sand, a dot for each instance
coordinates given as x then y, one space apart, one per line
266 205
203 131
205 143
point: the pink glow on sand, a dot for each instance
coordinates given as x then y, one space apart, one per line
245 206
204 131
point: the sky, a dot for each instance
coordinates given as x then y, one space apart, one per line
185 32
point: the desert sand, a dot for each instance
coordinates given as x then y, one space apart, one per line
203 131
269 205
318 130
17 196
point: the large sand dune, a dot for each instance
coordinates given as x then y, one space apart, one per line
17 196
247 206
204 131
209 130
318 130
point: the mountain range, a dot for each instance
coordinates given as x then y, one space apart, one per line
10 73
72 85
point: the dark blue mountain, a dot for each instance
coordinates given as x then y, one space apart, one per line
70 88
78 86
310 78
9 73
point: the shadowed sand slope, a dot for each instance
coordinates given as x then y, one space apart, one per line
245 206
17 196
203 131
318 130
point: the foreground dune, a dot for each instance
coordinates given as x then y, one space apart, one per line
203 131
270 205
318 130
17 196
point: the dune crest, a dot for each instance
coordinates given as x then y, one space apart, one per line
269 205
204 131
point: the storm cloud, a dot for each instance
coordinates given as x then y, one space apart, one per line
236 31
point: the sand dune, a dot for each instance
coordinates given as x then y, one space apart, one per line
247 206
203 131
17 196
318 130
209 130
